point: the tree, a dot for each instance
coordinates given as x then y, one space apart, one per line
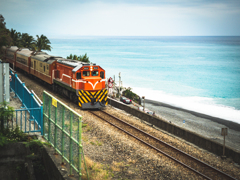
16 37
70 57
82 58
42 43
5 38
28 41
75 57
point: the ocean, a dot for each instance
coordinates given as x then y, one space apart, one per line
201 74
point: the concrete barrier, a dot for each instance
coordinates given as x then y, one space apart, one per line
191 137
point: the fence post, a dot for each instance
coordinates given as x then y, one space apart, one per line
49 121
71 144
55 130
43 111
41 119
80 151
31 105
23 95
15 82
63 154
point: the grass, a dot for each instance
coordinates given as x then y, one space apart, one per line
86 128
96 171
116 166
84 138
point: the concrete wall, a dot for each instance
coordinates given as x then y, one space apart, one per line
4 82
192 137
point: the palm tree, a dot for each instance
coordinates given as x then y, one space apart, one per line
70 57
84 58
42 43
16 37
28 41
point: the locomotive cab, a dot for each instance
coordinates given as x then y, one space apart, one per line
86 81
90 84
89 78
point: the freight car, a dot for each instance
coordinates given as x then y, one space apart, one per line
82 83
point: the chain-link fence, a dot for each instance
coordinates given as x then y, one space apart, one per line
62 127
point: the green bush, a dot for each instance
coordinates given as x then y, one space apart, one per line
131 95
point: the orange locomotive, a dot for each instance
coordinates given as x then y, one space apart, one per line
82 83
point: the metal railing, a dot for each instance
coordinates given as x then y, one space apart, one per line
62 128
21 119
29 103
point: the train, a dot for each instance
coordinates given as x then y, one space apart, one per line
83 83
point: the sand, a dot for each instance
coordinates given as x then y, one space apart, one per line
207 126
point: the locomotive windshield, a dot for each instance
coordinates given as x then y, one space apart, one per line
94 73
86 73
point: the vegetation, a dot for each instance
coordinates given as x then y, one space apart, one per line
10 136
5 38
82 58
28 41
131 95
42 43
6 112
22 40
96 171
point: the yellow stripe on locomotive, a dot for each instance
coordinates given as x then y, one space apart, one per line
89 100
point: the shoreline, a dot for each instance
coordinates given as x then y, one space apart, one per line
150 104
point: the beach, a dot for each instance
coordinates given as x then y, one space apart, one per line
204 125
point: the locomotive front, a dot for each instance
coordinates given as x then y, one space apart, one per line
89 82
83 83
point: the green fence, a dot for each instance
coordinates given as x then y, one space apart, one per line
62 127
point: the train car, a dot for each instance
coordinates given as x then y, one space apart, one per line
42 66
82 83
86 81
23 59
10 55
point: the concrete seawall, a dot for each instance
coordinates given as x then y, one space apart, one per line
191 137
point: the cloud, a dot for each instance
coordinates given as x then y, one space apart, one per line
123 17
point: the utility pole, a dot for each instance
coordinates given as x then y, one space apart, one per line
224 133
143 103
114 86
119 84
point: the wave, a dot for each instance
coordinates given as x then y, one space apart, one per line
204 105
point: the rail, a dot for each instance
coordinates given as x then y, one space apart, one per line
215 173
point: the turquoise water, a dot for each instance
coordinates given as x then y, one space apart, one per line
196 73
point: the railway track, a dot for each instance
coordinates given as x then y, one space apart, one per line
190 162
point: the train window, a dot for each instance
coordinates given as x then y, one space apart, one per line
79 76
86 73
94 73
102 74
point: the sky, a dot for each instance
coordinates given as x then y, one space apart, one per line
72 18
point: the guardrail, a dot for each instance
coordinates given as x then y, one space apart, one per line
29 102
62 128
